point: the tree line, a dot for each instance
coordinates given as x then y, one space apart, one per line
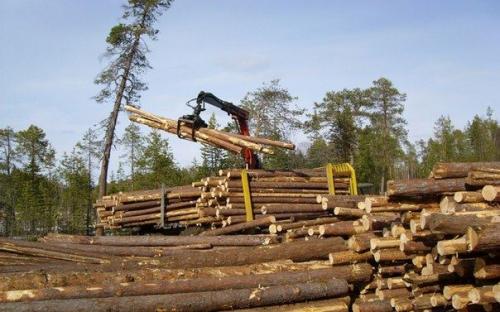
365 127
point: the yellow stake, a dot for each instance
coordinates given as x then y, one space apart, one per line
246 195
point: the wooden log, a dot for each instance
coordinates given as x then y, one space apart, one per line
391 270
348 256
463 268
484 238
241 226
41 250
387 294
372 306
454 224
326 305
496 292
390 255
450 290
459 170
483 176
452 246
270 200
282 216
491 193
482 295
484 269
360 242
186 133
202 301
137 251
263 141
415 187
171 287
438 300
460 301
299 224
348 212
163 240
296 250
138 205
332 201
384 242
340 228
422 280
415 247
285 208
88 276
468 197
273 185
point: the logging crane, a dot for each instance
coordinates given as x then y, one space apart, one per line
238 114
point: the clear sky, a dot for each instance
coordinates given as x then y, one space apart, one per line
444 54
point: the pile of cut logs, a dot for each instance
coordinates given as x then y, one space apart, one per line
217 202
142 208
430 245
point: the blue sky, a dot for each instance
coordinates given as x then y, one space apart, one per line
444 54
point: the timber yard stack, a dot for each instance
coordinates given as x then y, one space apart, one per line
142 208
429 245
218 202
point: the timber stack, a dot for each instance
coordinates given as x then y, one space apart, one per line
144 208
429 245
216 202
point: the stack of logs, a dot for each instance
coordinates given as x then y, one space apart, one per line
216 202
431 245
143 208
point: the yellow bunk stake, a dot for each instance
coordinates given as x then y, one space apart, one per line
329 178
331 169
246 195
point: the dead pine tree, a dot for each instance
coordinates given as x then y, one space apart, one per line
121 78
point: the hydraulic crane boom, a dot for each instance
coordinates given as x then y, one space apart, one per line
239 114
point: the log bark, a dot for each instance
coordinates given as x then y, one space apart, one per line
427 187
348 256
240 226
172 287
373 306
163 240
62 276
202 301
297 251
486 269
285 208
454 224
459 170
483 238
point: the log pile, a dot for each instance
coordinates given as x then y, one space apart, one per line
143 208
422 249
218 202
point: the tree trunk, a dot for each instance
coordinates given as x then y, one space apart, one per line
173 287
201 301
113 118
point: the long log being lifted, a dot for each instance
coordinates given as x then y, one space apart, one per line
229 141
